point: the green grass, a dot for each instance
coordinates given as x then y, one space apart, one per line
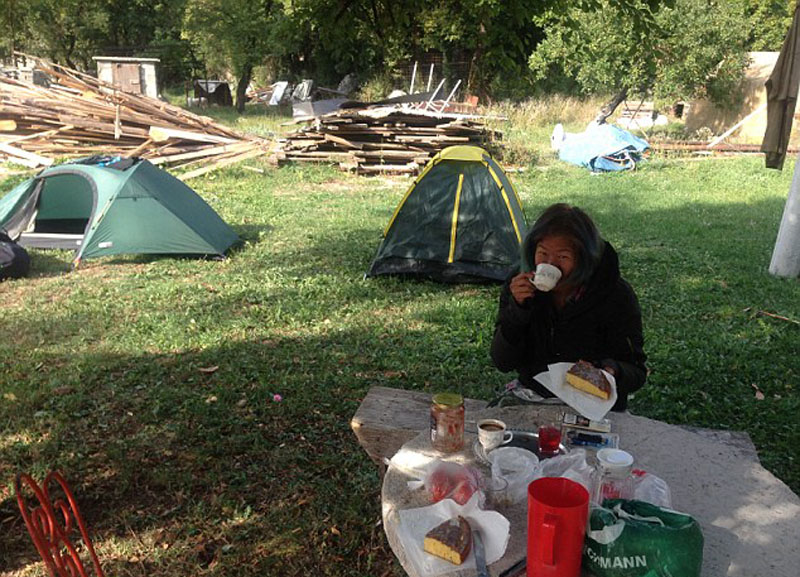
149 381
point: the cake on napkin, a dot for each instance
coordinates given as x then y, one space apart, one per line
451 540
586 377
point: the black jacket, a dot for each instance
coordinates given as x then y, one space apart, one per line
603 324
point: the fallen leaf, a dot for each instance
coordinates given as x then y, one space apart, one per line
209 370
335 530
759 396
10 397
211 399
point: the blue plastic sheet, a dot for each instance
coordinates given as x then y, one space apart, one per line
600 148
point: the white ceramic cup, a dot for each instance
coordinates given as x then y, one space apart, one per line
546 277
492 433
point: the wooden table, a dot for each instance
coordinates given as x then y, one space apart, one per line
750 519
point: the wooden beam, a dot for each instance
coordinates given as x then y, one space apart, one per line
163 133
25 155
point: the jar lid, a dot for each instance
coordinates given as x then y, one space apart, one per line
615 460
448 399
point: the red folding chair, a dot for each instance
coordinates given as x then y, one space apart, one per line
51 524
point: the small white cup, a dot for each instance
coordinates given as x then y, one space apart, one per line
492 433
546 277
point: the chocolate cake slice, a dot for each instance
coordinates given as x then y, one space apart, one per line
588 378
451 540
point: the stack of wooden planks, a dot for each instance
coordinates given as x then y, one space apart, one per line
78 115
382 139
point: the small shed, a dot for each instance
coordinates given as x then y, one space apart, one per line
134 75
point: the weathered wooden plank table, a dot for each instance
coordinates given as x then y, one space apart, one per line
750 519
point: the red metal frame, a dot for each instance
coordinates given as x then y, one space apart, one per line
51 532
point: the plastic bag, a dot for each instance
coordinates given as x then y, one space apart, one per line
447 480
573 466
651 489
628 538
518 467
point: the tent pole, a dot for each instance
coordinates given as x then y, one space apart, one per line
786 254
413 78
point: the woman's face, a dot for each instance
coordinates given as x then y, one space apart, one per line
558 251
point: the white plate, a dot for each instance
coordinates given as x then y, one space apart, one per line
591 407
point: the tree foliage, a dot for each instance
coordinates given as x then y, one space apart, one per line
67 31
234 34
498 48
770 21
692 49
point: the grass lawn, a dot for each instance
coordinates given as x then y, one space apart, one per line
150 382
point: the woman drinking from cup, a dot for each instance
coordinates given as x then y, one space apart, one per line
569 303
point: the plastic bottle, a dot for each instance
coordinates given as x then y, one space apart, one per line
613 476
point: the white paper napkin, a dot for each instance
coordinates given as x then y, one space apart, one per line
415 523
591 407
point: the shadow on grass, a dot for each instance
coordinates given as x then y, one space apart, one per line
209 466
183 462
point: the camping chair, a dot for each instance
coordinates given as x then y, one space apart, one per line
51 532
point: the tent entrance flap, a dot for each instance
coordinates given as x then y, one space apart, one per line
62 213
458 222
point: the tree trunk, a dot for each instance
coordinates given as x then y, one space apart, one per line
475 79
241 87
611 106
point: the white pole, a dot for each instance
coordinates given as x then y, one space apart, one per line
430 79
786 255
433 96
730 131
413 78
452 92
438 88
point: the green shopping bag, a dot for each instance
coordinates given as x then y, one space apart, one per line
637 539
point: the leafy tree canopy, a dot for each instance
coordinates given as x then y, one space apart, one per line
691 49
676 48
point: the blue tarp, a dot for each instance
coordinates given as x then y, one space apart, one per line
601 147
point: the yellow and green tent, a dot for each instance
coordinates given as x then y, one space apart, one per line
460 221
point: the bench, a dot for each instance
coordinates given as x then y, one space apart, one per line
388 418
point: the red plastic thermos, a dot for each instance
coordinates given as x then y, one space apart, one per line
557 513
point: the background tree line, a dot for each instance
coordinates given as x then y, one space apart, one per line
506 48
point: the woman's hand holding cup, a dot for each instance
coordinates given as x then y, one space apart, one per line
522 287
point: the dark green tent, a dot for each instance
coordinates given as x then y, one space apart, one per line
125 206
460 221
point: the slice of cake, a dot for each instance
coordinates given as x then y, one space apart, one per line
588 378
450 540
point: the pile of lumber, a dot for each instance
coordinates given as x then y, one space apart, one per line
383 139
78 116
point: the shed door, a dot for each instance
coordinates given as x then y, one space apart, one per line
126 76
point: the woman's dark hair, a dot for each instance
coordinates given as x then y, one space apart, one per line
569 221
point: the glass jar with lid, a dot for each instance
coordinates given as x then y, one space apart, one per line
447 422
613 477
